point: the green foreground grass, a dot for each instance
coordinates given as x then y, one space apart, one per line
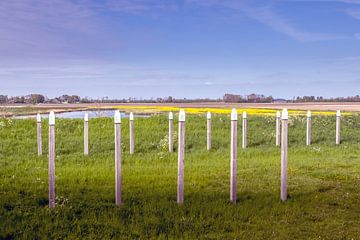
324 182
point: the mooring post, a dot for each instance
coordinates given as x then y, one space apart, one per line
338 123
51 170
244 130
181 151
39 137
171 143
132 134
308 128
118 174
278 127
233 155
208 132
284 156
86 134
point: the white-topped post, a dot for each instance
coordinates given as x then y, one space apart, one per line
51 170
338 127
284 156
233 155
118 174
181 152
278 128
208 131
86 134
244 130
308 128
171 142
132 134
39 134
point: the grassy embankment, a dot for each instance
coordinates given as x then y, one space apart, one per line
324 182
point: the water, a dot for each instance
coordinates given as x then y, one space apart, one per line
80 114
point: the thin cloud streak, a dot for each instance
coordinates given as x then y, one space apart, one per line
264 14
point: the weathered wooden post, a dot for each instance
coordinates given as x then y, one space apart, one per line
244 130
208 132
278 127
233 155
171 143
118 175
308 128
181 150
39 137
51 160
86 134
132 136
338 121
284 155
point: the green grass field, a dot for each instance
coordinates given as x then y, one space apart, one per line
324 182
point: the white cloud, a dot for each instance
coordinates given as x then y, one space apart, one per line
264 14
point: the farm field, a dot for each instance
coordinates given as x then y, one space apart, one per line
324 181
26 109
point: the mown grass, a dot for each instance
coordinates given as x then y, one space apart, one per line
324 182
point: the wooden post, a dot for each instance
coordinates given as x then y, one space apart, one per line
244 131
208 132
233 155
118 175
86 134
181 151
284 156
278 127
308 128
39 138
338 120
52 156
171 143
132 136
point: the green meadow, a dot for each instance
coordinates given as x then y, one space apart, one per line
324 182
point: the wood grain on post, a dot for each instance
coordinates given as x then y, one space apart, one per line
308 128
278 127
181 152
244 130
132 134
51 170
171 143
118 174
284 156
86 134
208 131
39 137
338 122
233 155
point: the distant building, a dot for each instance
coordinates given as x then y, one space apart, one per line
279 100
231 98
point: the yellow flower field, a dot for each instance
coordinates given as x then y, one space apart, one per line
251 111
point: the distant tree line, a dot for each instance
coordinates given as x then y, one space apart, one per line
252 98
35 98
322 99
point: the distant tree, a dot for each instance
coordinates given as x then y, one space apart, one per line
36 98
3 99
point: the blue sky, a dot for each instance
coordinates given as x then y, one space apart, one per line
182 48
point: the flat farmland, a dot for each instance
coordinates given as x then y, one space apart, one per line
24 109
323 194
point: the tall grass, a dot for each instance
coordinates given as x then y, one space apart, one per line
324 182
